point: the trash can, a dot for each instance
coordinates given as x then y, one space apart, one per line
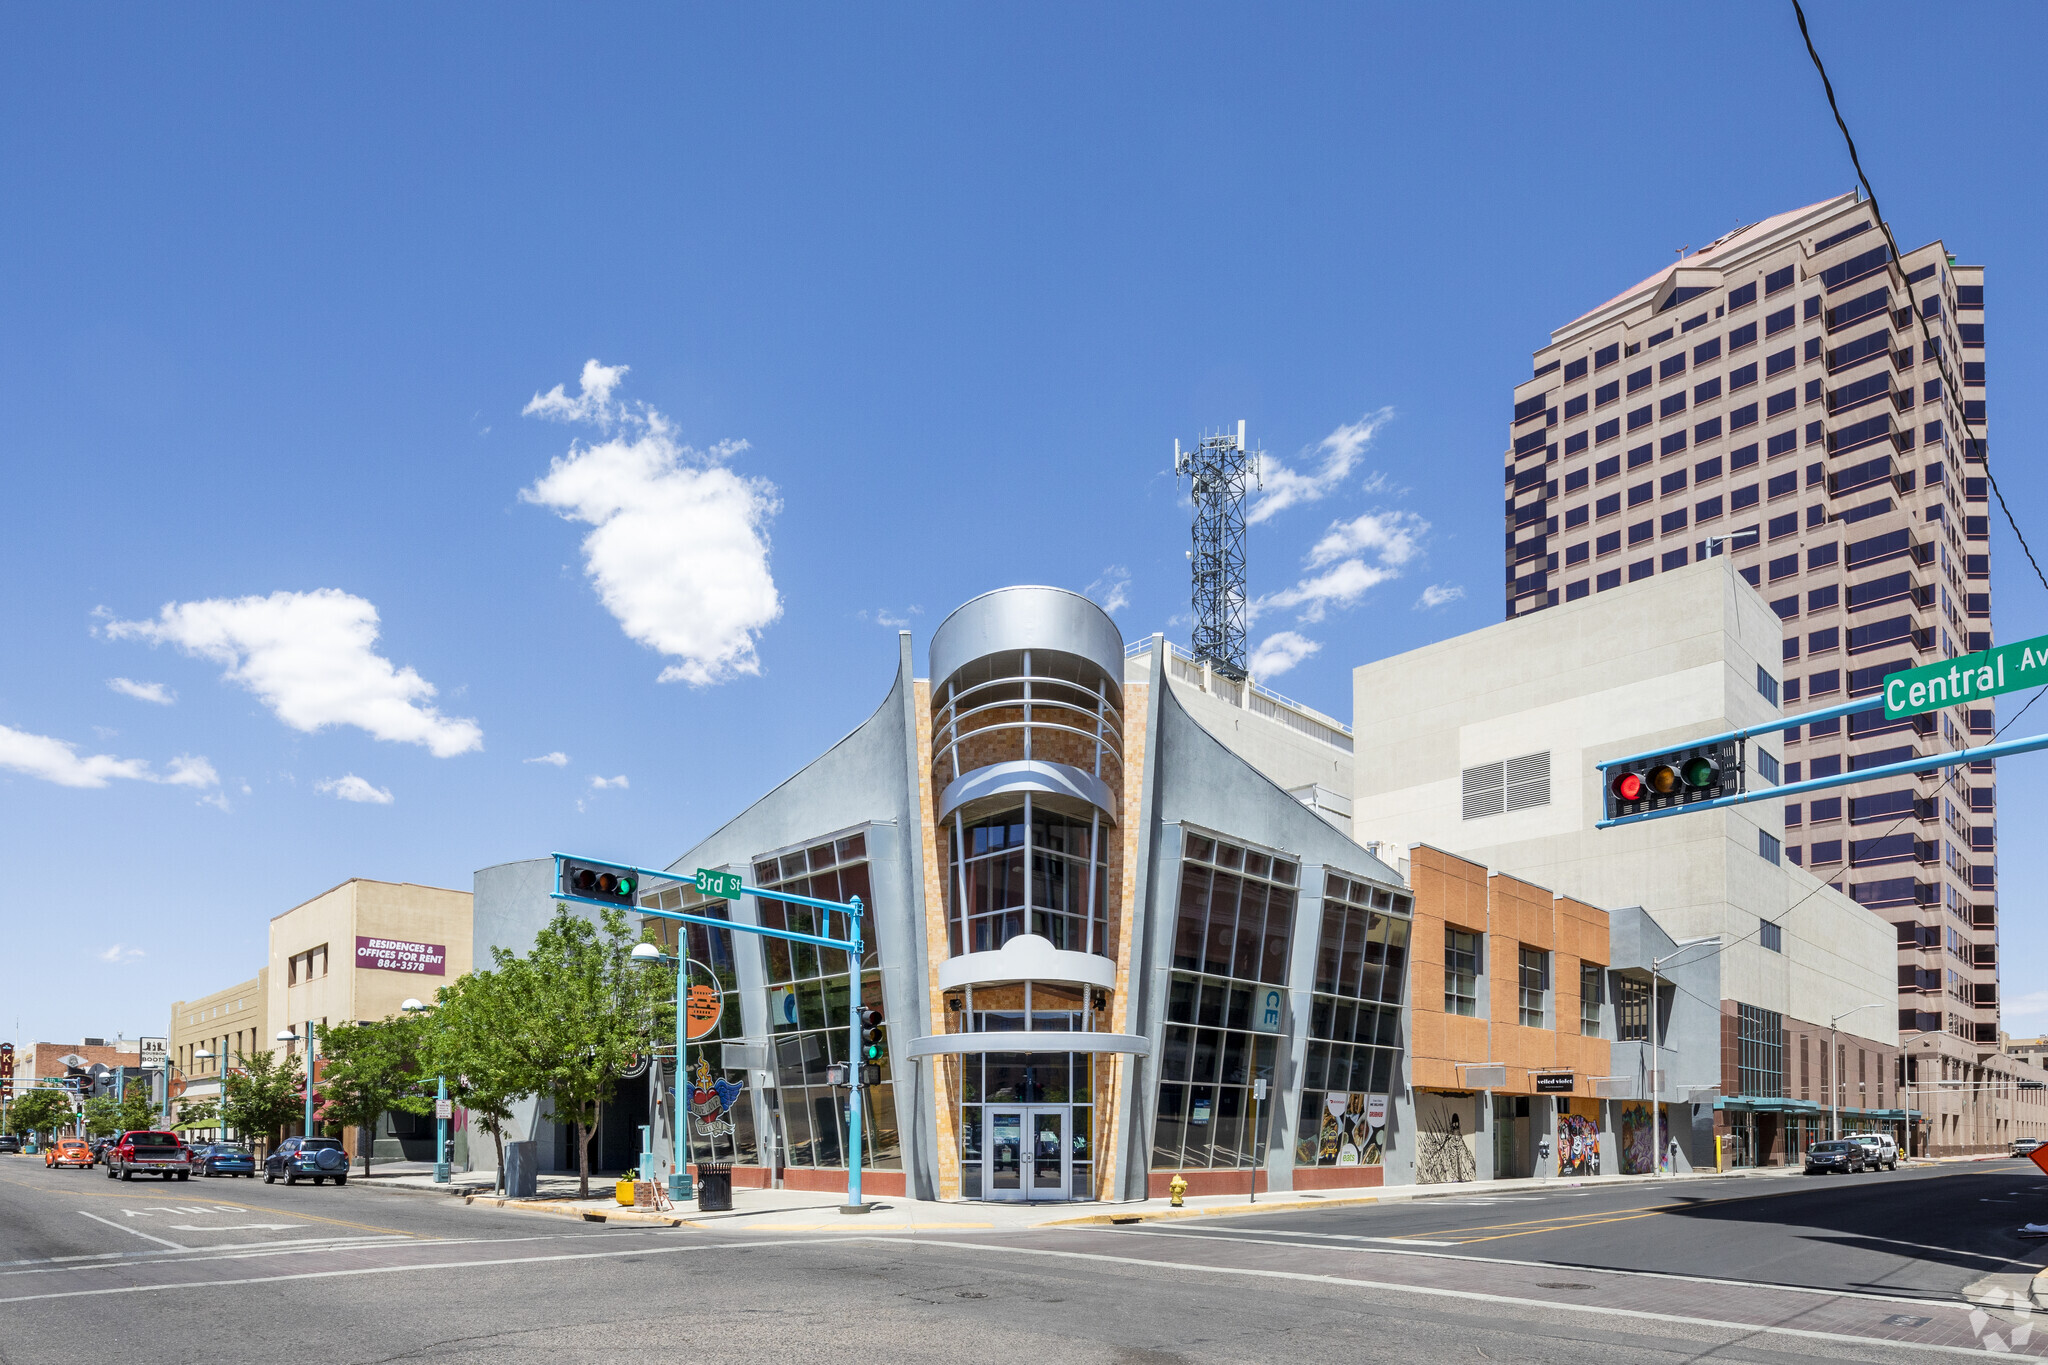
522 1169
714 1189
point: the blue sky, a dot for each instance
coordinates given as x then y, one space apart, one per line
889 307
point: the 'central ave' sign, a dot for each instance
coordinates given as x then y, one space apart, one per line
2007 668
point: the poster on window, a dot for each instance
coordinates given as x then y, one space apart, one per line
1354 1130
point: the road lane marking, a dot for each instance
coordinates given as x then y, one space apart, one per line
237 1227
136 1231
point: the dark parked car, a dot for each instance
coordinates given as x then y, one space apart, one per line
307 1158
1843 1155
224 1158
99 1149
152 1153
10 1143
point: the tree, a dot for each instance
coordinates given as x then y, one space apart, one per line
199 1114
40 1111
136 1110
263 1094
102 1116
469 1039
369 1068
577 1010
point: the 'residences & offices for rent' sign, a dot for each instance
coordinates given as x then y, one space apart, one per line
400 955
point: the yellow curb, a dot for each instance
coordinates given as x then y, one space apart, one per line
562 1210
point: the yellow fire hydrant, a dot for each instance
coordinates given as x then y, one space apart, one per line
1177 1188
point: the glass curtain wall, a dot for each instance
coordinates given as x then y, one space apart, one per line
1231 936
1030 867
1354 1024
807 1007
711 958
1004 1078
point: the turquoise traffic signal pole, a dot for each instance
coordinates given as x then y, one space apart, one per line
854 1067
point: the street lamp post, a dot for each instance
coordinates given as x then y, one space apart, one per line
202 1054
1656 1071
442 1172
679 1179
1835 1066
291 1036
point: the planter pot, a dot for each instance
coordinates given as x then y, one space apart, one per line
623 1192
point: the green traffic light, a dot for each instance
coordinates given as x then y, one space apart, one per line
625 886
1697 772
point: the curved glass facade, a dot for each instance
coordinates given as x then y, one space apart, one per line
1029 868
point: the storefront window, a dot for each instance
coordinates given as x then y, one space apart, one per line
807 1007
1760 1054
1032 866
1354 1024
1231 937
722 1130
1000 1081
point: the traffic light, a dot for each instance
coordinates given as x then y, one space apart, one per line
872 1046
1701 772
597 882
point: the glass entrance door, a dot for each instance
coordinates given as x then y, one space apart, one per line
1026 1153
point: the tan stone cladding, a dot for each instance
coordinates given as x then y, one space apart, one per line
945 1080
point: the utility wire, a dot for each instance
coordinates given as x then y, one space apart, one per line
1940 352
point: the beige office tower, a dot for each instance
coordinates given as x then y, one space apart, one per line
1774 397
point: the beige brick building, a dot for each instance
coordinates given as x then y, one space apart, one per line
228 1024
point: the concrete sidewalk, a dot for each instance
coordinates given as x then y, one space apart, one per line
813 1211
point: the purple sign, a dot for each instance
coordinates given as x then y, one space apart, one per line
397 955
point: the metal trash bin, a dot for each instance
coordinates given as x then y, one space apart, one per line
714 1189
522 1169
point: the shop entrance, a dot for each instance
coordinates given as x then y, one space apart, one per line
1026 1154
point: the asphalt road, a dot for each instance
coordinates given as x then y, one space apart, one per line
230 1271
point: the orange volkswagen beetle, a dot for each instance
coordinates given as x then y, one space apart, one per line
68 1152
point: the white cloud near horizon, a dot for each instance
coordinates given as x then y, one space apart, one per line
678 552
349 787
54 760
1279 652
1111 591
882 616
311 658
143 691
557 759
1335 456
121 952
599 784
1437 594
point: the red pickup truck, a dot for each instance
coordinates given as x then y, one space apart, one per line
152 1153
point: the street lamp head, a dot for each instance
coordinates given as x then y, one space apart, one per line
412 1005
287 1036
646 952
202 1054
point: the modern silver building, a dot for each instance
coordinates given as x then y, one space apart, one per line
1774 397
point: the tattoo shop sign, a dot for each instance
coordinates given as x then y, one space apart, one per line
398 955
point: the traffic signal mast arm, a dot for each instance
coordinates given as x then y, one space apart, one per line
1767 727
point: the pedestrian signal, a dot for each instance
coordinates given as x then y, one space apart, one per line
1679 778
597 882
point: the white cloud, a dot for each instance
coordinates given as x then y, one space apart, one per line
598 784
2027 1005
121 953
592 405
1390 539
557 759
53 760
679 553
882 616
1279 652
1112 591
1393 538
219 800
311 658
1336 454
143 691
349 787
1339 586
1437 594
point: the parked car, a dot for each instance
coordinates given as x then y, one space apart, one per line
2025 1146
150 1152
307 1158
10 1144
99 1149
1843 1154
1880 1149
68 1152
224 1158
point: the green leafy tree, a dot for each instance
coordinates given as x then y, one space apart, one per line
578 1010
368 1069
199 1114
470 1040
102 1116
39 1112
263 1095
136 1110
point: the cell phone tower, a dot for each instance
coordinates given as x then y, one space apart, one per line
1218 469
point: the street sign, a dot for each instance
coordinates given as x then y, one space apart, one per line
723 884
2007 668
1259 1088
444 1109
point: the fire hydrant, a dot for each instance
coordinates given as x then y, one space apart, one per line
1176 1187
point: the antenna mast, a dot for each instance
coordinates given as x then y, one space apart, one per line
1217 469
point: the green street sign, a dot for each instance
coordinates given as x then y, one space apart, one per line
725 884
2007 668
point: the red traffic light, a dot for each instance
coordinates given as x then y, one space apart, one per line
1627 787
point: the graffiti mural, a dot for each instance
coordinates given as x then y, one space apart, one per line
1578 1145
1445 1139
1643 1149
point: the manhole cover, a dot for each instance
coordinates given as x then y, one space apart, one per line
1906 1320
1560 1284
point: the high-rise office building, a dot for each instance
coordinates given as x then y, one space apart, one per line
1775 398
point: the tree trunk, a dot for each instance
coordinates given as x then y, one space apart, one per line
367 1136
584 1133
498 1138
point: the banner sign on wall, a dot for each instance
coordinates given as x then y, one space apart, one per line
397 955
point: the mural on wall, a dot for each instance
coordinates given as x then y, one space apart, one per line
1354 1130
1445 1139
1578 1145
1644 1150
